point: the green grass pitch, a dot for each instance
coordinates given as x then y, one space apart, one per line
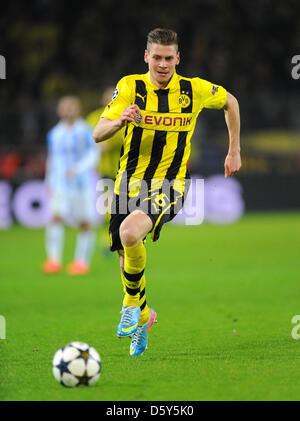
225 297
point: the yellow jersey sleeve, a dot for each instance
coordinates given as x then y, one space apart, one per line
122 98
212 95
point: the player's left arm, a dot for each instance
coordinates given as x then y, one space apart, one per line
232 117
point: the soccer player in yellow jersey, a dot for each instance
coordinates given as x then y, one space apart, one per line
157 113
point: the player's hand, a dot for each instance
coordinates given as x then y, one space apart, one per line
232 163
129 114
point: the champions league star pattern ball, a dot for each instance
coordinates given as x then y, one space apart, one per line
77 364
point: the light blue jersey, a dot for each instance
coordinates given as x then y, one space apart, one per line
71 147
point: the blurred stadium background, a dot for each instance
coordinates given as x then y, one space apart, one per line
55 48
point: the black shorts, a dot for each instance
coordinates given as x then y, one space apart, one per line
161 205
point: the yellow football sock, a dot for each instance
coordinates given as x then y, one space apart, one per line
134 265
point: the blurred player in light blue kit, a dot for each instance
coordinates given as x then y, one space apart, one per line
72 159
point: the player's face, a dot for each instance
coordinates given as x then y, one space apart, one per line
68 110
162 60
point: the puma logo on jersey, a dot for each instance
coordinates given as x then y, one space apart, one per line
143 97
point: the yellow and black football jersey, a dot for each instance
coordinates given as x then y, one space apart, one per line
157 145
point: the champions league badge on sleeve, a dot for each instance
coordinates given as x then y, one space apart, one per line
115 94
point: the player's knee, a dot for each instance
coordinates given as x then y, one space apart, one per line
134 228
129 235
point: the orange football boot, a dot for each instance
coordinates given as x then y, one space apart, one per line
78 268
51 266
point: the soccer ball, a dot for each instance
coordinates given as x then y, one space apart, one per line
76 364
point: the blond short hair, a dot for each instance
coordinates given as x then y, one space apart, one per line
162 36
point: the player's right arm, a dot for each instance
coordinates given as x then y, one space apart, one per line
106 128
120 111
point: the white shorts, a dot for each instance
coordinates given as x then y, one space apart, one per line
74 206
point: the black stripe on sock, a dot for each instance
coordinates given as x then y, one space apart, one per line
143 305
132 291
133 277
142 293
